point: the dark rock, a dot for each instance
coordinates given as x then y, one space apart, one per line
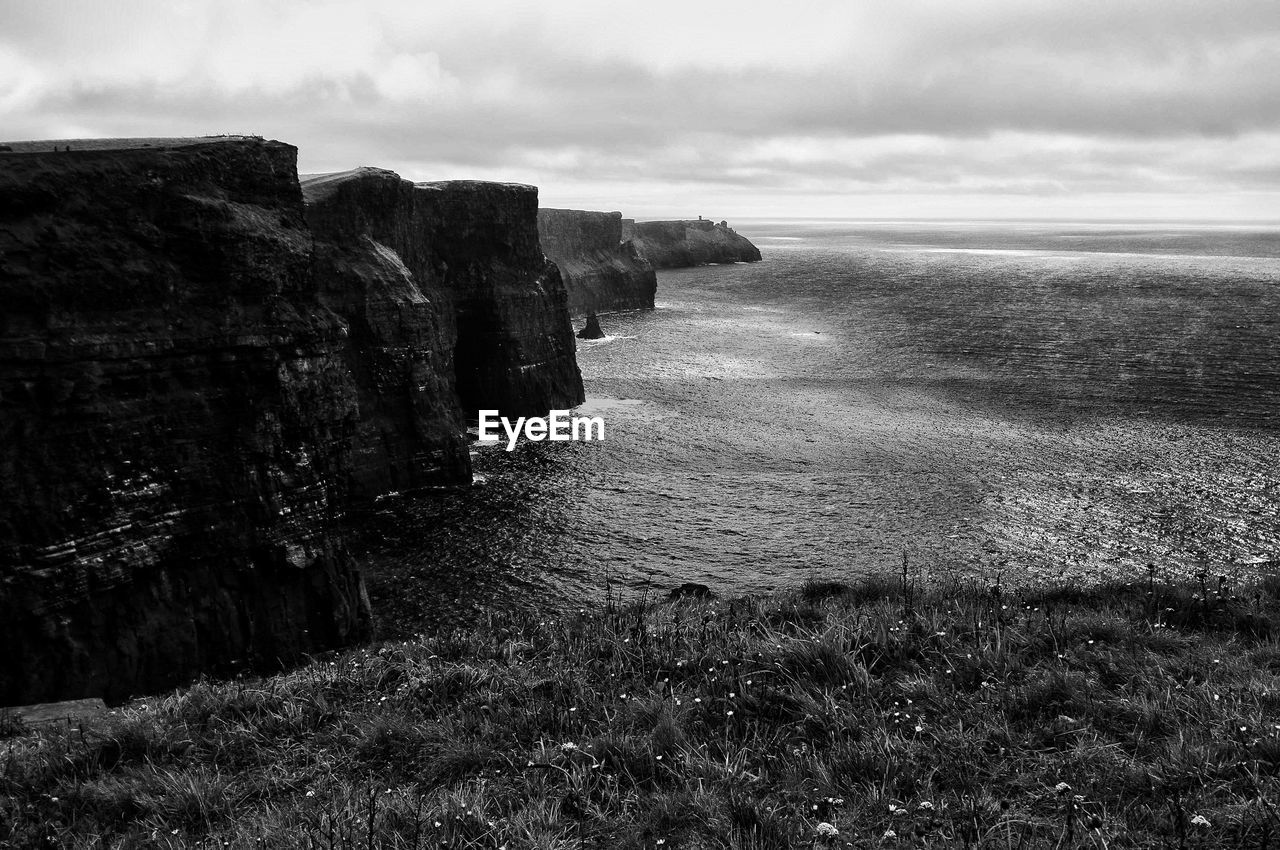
470 255
515 351
601 269
690 590
173 412
676 244
198 376
592 329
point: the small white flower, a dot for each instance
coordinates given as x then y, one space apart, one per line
311 793
1062 788
889 834
1200 820
926 805
826 830
568 747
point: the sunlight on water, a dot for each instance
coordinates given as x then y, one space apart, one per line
1033 401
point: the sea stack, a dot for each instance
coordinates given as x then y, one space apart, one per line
592 329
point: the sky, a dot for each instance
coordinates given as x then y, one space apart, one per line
1082 109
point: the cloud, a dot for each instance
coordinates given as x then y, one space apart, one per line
912 97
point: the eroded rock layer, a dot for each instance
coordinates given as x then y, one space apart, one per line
675 244
602 271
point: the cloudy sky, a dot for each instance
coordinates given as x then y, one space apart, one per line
902 108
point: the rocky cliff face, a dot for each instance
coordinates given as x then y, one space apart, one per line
675 244
515 350
172 410
601 269
198 374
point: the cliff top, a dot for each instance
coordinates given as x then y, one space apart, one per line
317 187
49 145
562 211
985 708
472 185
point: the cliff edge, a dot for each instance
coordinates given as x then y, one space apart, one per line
200 373
602 271
676 244
172 414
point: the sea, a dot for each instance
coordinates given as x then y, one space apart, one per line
1029 403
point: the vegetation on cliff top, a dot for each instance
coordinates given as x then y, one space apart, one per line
833 716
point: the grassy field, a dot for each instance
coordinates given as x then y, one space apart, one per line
877 715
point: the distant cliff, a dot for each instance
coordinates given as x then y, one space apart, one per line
199 373
602 271
472 250
675 244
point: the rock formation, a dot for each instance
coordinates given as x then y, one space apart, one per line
591 330
515 350
601 269
197 376
675 244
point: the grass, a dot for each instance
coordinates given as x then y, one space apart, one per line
872 715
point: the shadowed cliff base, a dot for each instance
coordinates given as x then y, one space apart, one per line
678 244
198 376
602 271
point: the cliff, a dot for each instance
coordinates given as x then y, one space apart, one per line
515 350
172 408
601 269
675 244
198 374
372 268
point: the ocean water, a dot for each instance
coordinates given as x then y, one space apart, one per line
1034 402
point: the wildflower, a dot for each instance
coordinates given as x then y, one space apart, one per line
826 830
311 793
568 747
894 810
889 835
1062 788
1200 820
926 805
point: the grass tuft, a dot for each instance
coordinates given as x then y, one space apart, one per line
844 714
